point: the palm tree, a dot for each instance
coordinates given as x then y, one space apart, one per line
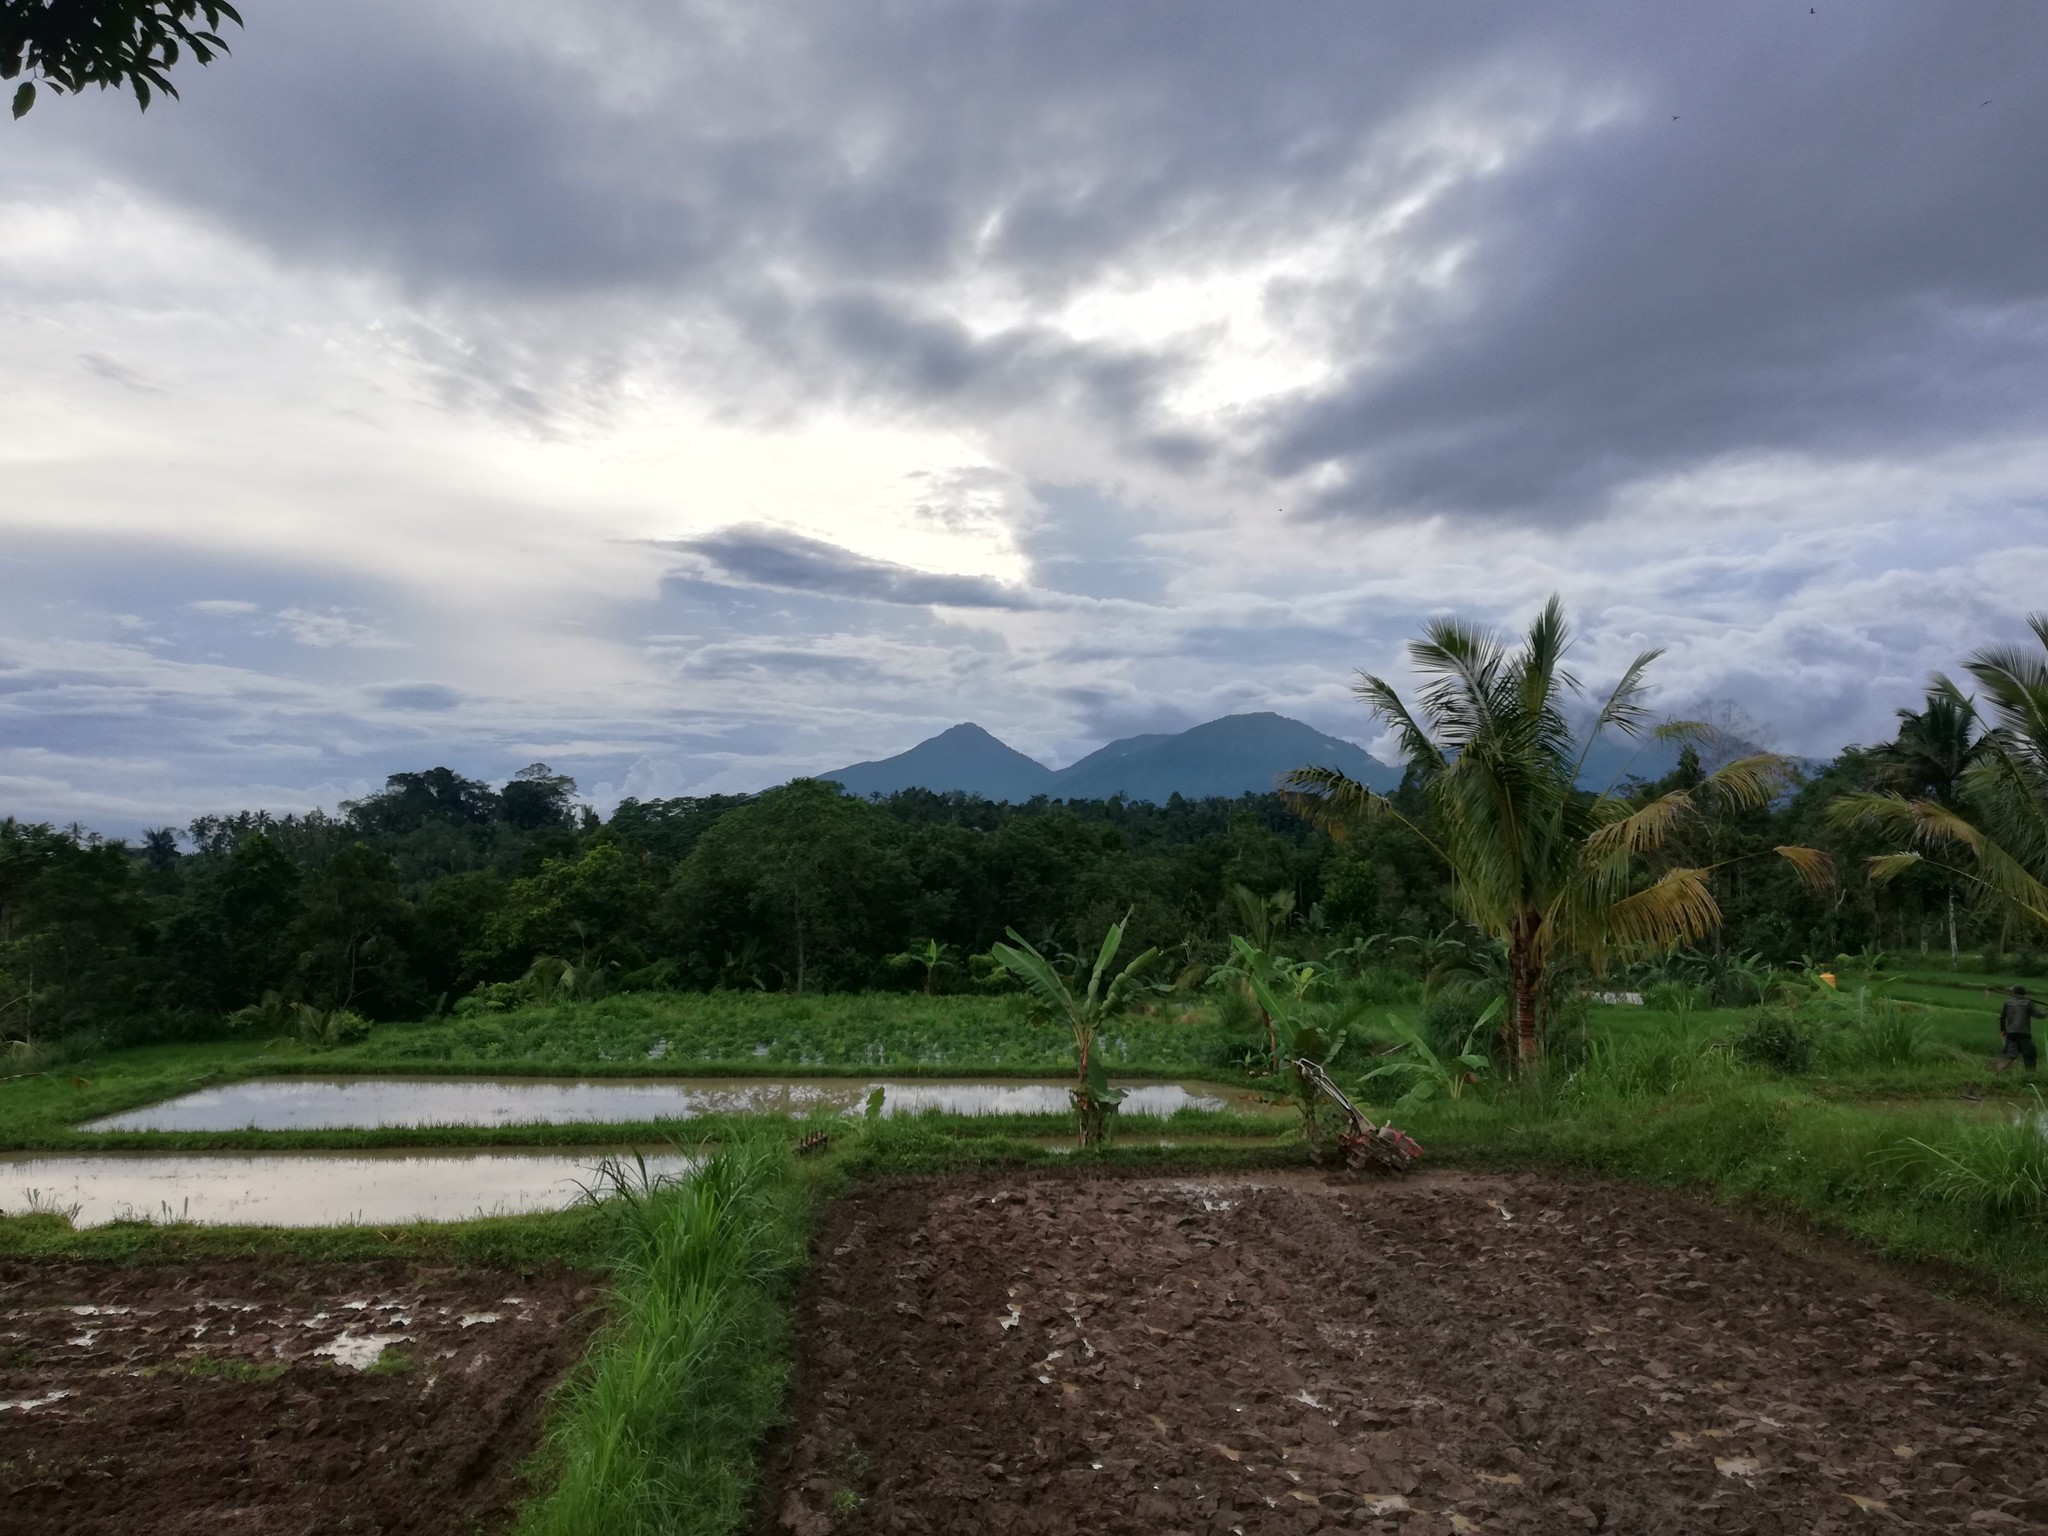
1935 747
1996 823
1551 870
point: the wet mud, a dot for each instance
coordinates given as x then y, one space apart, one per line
1444 1355
262 1397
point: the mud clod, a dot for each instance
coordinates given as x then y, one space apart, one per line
1294 1355
227 1397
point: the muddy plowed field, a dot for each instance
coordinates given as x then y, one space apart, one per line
1448 1354
230 1398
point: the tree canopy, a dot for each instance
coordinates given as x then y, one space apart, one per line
71 44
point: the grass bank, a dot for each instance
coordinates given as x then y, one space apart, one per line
576 1237
658 1431
1960 1197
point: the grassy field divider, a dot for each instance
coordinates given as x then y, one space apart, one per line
658 1430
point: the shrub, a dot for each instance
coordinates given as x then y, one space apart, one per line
1645 1067
1449 1019
1779 1039
1880 1033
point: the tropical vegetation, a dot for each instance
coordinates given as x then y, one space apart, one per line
1568 880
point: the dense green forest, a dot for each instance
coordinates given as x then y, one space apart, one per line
442 892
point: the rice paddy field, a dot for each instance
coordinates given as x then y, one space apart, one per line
668 1263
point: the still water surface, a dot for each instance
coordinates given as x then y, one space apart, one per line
319 1104
301 1189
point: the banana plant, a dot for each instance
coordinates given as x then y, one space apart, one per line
1084 1012
1273 982
1427 1074
931 955
1280 988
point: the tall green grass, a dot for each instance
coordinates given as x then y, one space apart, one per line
658 1431
1997 1169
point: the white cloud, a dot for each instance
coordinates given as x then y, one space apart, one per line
323 631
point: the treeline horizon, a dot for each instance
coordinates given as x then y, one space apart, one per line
441 887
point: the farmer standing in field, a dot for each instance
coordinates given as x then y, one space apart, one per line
2016 1023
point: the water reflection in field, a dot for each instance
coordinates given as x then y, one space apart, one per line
301 1189
308 1104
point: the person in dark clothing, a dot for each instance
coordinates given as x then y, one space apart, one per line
2016 1023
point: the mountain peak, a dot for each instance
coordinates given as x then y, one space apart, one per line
1228 757
962 757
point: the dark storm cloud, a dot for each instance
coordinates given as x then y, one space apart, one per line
782 561
1811 240
1755 228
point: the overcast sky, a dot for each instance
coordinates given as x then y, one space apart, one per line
694 395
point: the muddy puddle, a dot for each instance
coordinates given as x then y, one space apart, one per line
310 1104
301 1189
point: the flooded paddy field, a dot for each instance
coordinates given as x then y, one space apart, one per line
1449 1354
263 1396
316 1103
301 1189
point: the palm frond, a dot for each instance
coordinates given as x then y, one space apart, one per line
1333 801
1644 830
1541 673
1623 708
2016 683
2009 880
1811 864
1920 821
1418 750
1679 909
1885 867
1750 781
1464 664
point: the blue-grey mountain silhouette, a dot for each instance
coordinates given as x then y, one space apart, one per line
963 757
1236 755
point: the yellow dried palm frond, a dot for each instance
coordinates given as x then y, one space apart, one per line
1749 781
1889 866
2011 880
1679 909
1812 865
1920 821
1641 831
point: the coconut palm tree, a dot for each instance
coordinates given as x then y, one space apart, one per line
1935 747
1993 832
1551 870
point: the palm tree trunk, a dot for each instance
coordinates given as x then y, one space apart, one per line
1952 954
1525 976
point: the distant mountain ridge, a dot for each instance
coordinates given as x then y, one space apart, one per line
962 757
1235 755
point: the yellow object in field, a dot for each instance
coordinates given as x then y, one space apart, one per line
1828 977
